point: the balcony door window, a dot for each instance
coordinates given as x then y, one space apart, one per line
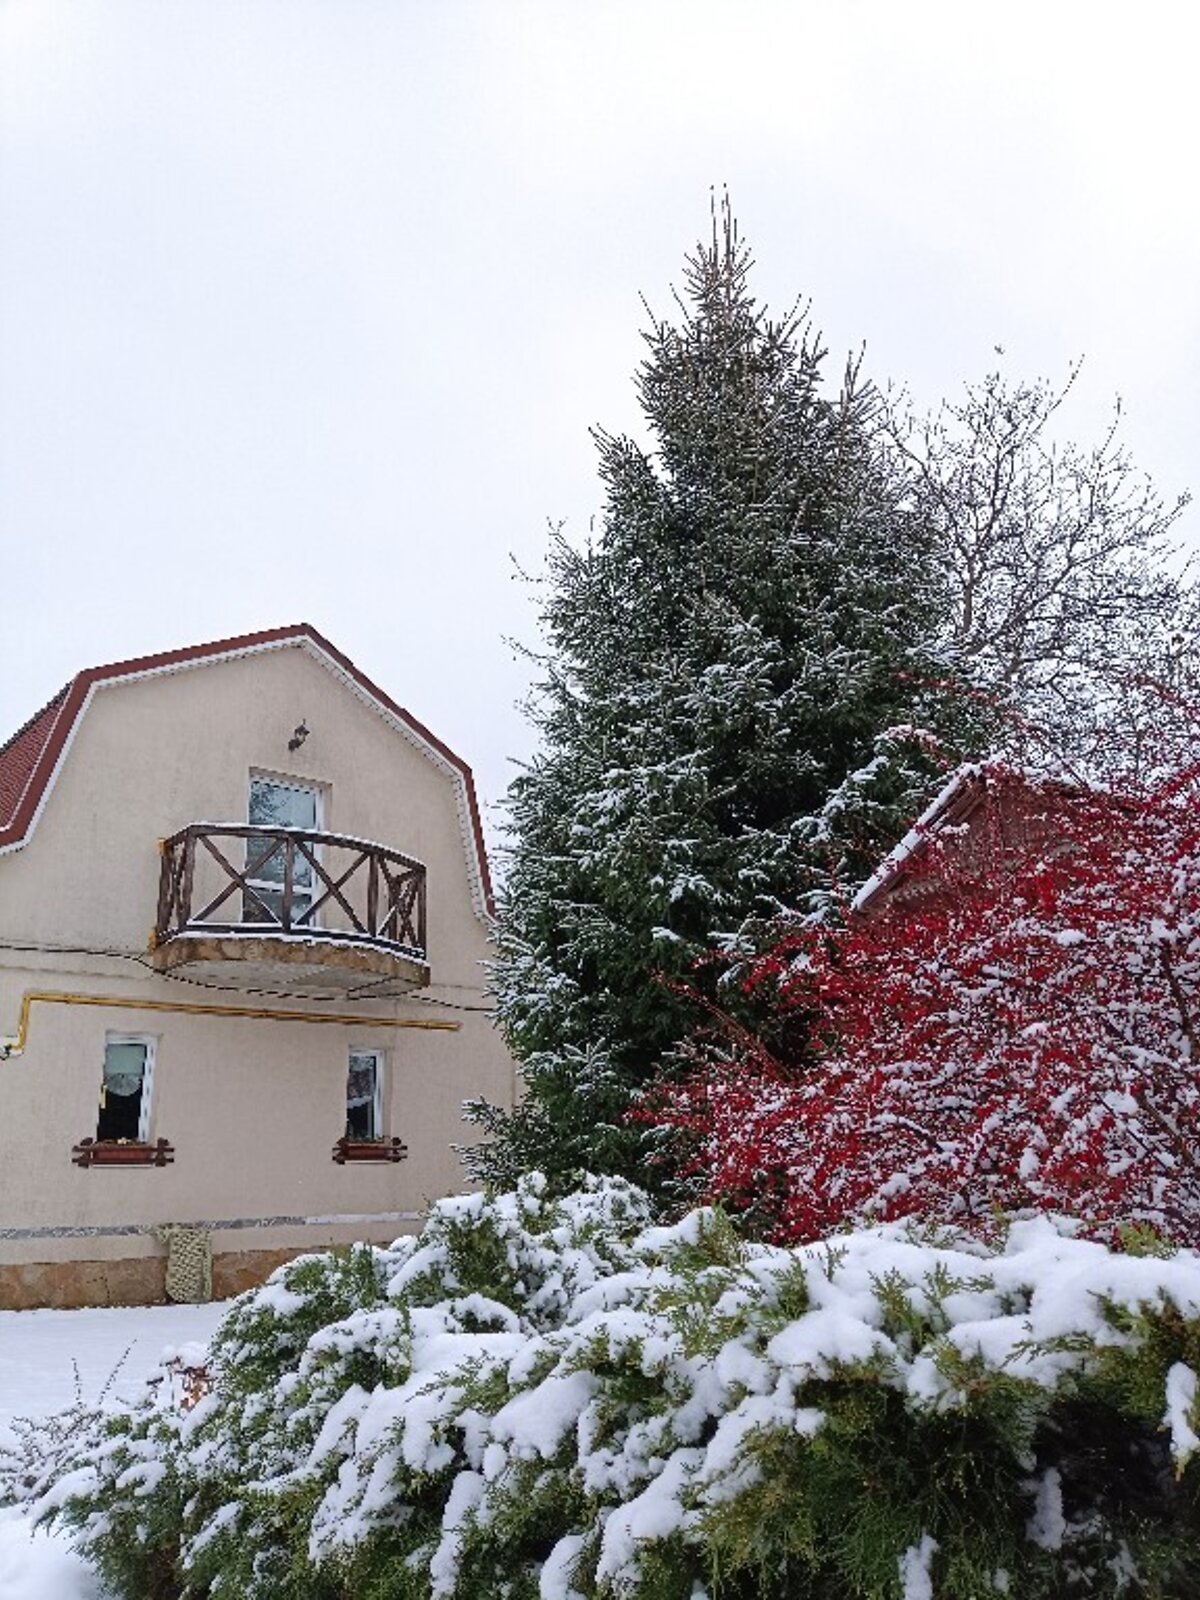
125 1088
275 803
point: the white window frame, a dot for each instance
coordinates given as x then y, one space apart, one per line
281 781
380 1068
151 1044
284 780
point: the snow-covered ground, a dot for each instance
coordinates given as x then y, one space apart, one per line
39 1354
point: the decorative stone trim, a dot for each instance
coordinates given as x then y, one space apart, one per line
124 1230
120 1153
369 1150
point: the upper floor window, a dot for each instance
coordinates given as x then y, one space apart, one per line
125 1088
279 803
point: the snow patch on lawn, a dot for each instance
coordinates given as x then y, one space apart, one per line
35 1565
40 1354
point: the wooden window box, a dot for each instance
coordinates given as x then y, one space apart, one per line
369 1150
122 1153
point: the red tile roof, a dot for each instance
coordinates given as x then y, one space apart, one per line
19 756
30 759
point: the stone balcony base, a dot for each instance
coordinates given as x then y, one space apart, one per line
264 960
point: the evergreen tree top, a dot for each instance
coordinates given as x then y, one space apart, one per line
756 611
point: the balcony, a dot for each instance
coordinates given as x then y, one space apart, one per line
303 911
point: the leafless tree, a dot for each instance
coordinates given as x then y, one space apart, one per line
1068 600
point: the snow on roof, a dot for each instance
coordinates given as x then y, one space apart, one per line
955 802
966 780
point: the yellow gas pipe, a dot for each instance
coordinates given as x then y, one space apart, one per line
15 1046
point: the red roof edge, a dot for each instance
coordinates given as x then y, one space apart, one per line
430 739
31 757
967 791
19 755
958 799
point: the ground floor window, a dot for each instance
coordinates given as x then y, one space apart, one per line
364 1095
125 1088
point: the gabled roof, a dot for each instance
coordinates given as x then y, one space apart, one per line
967 791
960 796
31 760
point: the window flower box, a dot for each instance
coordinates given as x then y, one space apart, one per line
122 1153
369 1150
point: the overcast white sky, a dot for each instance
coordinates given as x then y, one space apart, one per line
306 306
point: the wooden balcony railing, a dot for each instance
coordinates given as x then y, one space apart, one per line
311 885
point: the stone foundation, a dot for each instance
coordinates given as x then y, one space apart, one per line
128 1281
235 1271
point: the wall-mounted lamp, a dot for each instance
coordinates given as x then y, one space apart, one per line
298 737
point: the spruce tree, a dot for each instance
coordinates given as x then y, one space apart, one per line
732 667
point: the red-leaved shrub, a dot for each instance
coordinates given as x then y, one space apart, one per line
1016 1026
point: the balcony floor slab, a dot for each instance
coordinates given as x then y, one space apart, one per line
287 962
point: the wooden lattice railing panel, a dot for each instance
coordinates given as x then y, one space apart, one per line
315 885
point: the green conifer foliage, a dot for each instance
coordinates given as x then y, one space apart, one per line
540 1398
735 667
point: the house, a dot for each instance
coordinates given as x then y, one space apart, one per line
244 906
987 814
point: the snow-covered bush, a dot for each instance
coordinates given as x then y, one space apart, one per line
553 1399
38 1448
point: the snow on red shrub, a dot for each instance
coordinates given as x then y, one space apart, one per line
1019 1028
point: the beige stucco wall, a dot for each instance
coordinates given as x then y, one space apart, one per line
252 1106
150 756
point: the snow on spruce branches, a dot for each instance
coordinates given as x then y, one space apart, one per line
800 607
1016 1028
757 611
547 1400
